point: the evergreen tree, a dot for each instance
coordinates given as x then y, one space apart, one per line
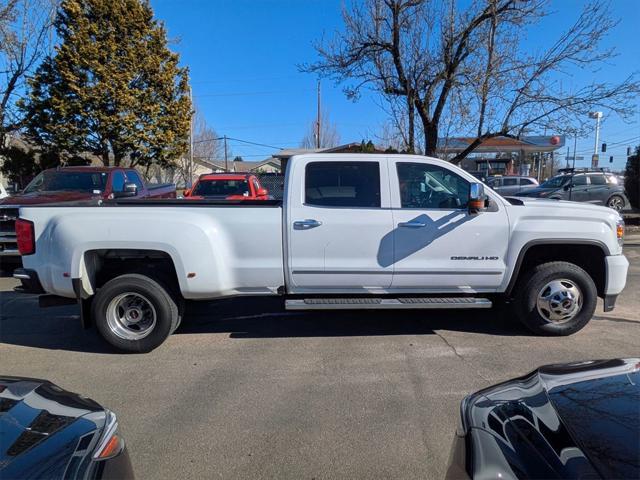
112 88
632 179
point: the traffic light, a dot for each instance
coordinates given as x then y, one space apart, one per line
610 158
604 147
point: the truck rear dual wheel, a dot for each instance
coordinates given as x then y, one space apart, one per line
556 298
135 313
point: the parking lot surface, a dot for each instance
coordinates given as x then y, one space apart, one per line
244 390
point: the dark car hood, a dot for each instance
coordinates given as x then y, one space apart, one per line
534 192
40 425
599 403
37 198
577 420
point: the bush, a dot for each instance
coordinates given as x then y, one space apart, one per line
632 179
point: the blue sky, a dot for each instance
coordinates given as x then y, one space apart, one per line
244 55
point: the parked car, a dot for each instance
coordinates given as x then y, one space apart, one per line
354 231
511 185
576 420
74 184
227 186
592 186
48 432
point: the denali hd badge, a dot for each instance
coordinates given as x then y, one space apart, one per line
474 258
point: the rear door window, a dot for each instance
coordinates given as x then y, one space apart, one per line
510 182
343 184
597 179
579 180
117 181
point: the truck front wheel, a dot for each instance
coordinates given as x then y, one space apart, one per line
556 298
135 313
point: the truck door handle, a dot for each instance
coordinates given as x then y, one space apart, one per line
306 224
412 224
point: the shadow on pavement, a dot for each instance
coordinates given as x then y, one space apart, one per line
266 318
23 323
58 328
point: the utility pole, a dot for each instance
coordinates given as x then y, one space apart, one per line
190 169
318 129
226 166
594 159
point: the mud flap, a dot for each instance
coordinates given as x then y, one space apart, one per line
83 303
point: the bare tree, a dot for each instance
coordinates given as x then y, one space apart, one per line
466 68
25 27
329 136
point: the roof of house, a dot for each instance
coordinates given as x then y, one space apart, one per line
238 166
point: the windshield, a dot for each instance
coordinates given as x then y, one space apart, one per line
556 182
221 188
59 180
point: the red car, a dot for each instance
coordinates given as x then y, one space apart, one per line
227 186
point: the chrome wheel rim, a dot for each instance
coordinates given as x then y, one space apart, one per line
559 301
616 203
131 316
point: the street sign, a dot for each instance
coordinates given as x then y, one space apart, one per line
571 158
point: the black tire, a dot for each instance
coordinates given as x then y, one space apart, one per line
159 299
531 285
616 202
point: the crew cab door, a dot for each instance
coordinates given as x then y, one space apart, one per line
338 217
599 188
578 190
438 245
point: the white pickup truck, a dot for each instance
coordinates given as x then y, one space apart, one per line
354 231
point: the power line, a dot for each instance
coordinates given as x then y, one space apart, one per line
213 139
241 94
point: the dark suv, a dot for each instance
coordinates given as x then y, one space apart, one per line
593 186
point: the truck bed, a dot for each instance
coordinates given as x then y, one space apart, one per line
217 248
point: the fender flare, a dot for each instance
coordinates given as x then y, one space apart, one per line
549 241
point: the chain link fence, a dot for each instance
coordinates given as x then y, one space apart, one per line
274 182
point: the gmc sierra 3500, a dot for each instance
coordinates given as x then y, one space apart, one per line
354 231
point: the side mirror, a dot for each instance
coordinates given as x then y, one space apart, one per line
567 187
477 198
130 190
262 192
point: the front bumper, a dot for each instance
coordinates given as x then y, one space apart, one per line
616 268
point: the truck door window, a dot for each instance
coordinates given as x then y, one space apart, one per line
117 181
343 184
132 176
430 186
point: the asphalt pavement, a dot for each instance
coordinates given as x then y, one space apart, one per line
245 390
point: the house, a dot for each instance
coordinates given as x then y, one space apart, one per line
268 165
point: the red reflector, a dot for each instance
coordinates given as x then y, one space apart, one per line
25 236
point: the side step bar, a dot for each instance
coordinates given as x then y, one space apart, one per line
386 303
